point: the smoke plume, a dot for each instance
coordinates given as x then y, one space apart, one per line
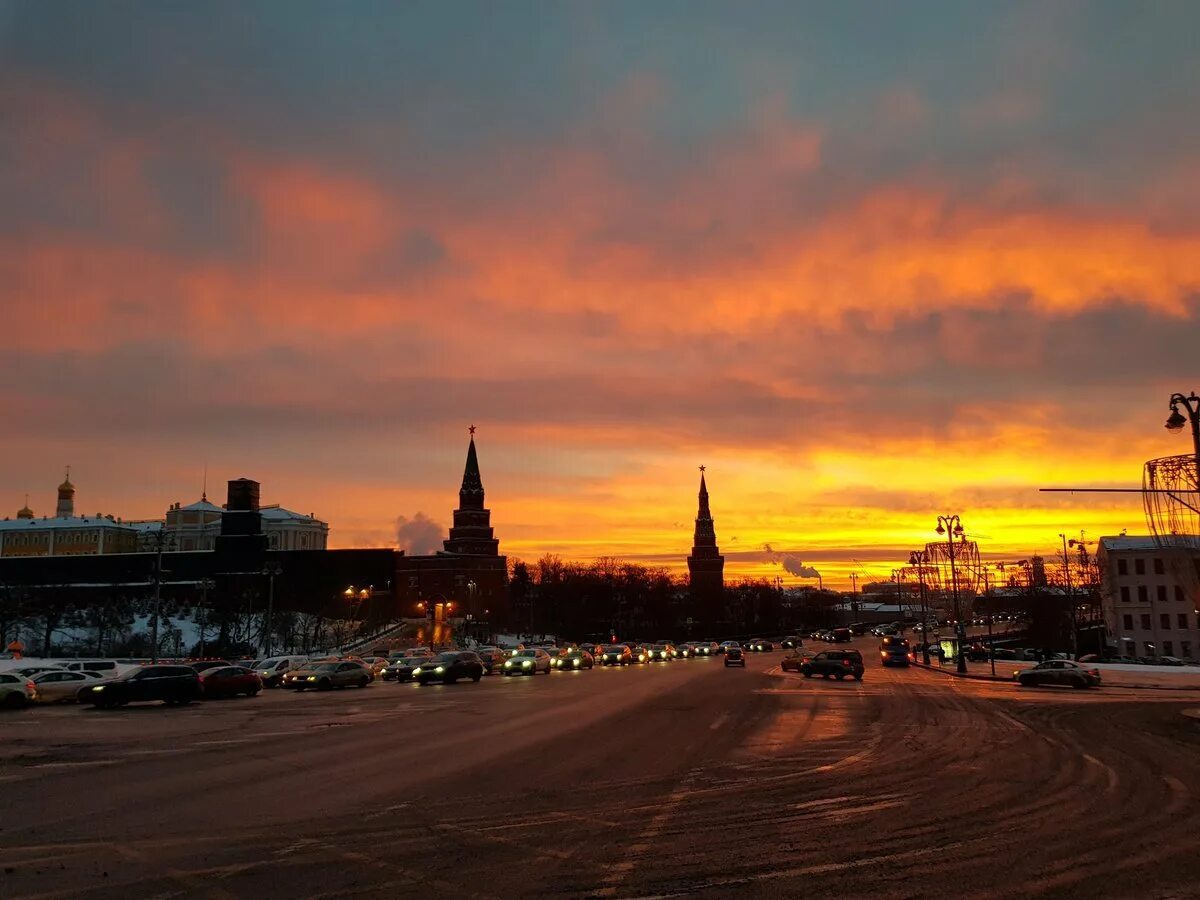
792 564
419 535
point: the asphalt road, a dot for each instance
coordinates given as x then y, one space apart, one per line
680 778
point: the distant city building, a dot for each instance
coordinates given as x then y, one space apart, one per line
1149 596
469 577
192 527
706 565
197 526
65 534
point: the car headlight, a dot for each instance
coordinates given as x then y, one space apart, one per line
508 665
440 669
312 677
99 687
526 664
641 658
417 670
575 662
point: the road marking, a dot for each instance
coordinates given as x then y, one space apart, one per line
621 871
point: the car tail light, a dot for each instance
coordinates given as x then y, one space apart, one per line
845 662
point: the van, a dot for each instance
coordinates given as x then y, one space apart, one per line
105 668
841 636
272 670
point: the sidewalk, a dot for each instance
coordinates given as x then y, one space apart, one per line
1161 678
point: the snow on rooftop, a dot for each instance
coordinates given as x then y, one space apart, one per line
1144 542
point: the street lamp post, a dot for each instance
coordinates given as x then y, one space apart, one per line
271 569
987 593
161 540
1070 599
205 585
918 558
1176 421
951 527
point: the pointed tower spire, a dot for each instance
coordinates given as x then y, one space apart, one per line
472 530
706 565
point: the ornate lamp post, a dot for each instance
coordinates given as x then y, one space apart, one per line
951 527
1176 421
918 558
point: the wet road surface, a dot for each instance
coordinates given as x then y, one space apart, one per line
675 779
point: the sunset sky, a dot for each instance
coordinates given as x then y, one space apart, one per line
868 262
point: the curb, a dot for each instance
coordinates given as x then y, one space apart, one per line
1192 714
943 671
1106 684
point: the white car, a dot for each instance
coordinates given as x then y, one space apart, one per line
61 687
16 691
272 670
528 662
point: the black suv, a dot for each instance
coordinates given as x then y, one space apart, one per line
835 663
449 667
171 684
735 656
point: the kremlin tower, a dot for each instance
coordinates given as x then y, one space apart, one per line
706 565
66 498
471 532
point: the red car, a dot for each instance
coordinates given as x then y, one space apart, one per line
229 681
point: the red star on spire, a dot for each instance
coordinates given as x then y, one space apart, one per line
472 430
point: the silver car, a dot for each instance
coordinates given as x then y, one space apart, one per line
1059 671
61 687
528 662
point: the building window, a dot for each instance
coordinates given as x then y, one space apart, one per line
1164 621
1158 566
1143 594
1168 648
1127 622
1179 592
1122 567
1161 591
1145 621
1185 649
1125 594
1150 648
1182 620
1139 566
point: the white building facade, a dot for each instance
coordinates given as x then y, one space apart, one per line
1150 596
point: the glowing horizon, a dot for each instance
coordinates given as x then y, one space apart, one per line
624 240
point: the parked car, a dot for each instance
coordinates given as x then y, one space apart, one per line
762 645
61 687
229 681
173 685
528 662
792 643
794 660
272 669
841 636
16 691
106 668
453 665
834 664
1060 672
324 676
201 664
724 646
573 660
735 656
